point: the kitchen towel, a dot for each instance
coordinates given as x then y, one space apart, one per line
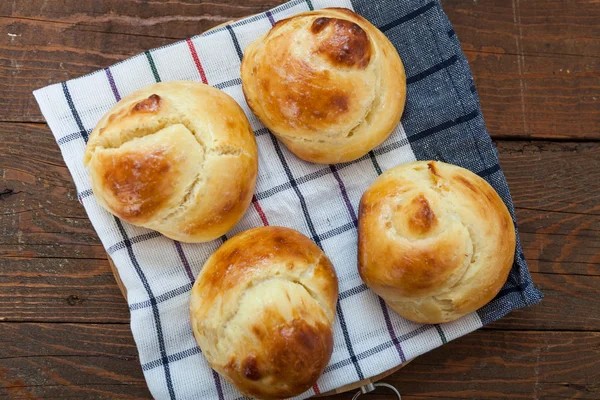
442 120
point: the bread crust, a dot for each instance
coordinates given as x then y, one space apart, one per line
327 83
435 241
176 157
262 311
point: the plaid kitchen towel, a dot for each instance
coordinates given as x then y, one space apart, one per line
442 121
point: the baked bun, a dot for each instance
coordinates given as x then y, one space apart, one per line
327 83
435 241
176 157
262 311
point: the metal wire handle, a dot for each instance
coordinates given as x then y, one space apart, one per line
371 386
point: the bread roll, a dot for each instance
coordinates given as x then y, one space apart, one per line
435 241
327 83
262 311
176 157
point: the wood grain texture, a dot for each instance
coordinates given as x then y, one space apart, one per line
69 361
557 198
63 322
506 365
100 361
535 63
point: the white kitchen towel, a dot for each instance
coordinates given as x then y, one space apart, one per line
442 121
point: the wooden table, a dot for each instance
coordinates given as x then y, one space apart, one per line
64 326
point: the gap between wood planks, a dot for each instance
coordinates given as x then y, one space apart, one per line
503 138
533 54
485 327
555 211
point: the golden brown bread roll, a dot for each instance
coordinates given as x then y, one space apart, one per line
435 241
176 157
327 83
262 311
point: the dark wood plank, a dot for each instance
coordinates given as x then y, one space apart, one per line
69 361
100 361
562 27
40 43
557 197
38 206
172 19
506 365
542 100
42 53
60 290
532 81
566 28
571 302
536 64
